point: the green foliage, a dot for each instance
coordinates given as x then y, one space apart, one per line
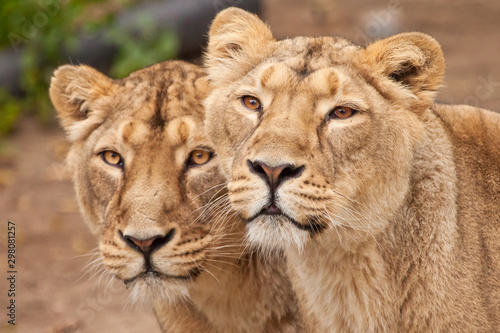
11 110
41 31
143 47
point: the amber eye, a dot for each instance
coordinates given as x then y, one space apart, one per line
342 112
251 103
199 157
112 158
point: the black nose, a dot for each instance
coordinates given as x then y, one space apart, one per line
148 245
276 175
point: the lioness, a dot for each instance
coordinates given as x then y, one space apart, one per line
149 186
387 205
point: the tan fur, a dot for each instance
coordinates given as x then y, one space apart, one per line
393 224
203 279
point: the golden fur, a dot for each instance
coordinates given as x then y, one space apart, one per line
199 275
389 218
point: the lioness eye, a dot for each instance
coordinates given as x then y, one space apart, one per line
342 112
199 157
251 103
112 158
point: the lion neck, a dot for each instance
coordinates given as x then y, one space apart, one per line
253 292
395 279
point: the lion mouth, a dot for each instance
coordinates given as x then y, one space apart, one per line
153 274
272 210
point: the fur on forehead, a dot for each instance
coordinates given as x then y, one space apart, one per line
411 64
85 98
130 131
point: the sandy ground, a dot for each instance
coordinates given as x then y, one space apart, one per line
56 293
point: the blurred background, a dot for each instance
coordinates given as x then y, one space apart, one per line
55 292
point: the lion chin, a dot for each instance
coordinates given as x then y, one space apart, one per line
150 287
273 234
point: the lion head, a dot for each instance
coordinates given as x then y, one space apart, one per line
316 135
145 175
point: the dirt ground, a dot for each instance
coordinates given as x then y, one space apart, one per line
56 293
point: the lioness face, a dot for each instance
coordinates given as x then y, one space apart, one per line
311 138
144 172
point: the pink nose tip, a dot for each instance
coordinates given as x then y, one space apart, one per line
144 243
275 175
148 245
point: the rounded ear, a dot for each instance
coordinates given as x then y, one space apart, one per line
237 40
414 60
73 90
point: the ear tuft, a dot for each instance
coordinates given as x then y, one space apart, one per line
237 41
73 89
415 60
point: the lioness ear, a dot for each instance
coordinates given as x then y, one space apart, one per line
412 59
73 90
237 41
